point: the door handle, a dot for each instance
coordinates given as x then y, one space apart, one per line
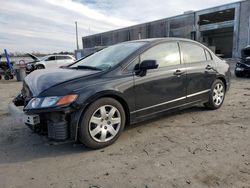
209 67
179 72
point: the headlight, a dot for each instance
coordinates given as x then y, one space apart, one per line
29 66
238 64
45 102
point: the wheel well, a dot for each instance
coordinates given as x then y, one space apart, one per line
40 65
224 82
120 100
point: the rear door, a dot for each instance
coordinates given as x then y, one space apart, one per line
200 72
163 88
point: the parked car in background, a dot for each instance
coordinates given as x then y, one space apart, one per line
243 65
30 66
50 61
94 98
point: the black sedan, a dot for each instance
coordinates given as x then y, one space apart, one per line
94 98
243 66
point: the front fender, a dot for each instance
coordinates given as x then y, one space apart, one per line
40 63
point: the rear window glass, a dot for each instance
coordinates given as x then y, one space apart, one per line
193 53
165 54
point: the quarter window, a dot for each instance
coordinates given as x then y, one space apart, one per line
166 54
193 53
132 65
208 55
67 57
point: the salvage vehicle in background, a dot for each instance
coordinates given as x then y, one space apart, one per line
30 66
94 98
243 65
50 61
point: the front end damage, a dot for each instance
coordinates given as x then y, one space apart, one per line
58 123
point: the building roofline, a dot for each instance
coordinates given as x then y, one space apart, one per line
163 19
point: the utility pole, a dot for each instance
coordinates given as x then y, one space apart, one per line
77 45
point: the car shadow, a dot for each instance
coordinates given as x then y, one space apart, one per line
27 151
22 145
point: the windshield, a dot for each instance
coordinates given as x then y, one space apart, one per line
108 57
44 58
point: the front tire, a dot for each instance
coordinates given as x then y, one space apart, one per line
102 123
216 95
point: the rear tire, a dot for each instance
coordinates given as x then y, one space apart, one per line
216 95
102 123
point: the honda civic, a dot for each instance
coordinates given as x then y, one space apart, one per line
93 99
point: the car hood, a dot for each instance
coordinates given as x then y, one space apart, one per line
33 57
40 80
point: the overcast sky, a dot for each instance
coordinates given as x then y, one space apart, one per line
48 25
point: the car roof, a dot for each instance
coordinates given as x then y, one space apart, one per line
167 39
175 39
58 55
163 39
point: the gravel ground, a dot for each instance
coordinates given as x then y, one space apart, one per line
191 148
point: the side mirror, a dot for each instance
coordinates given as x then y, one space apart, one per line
141 70
148 64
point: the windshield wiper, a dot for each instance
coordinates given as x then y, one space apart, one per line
87 67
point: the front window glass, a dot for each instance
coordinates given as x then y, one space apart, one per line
109 57
166 54
51 58
44 58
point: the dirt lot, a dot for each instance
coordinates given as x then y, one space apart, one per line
192 148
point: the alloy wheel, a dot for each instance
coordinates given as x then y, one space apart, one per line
218 94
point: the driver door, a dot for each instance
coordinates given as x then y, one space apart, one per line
162 88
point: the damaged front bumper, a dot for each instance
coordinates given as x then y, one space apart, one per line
58 124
